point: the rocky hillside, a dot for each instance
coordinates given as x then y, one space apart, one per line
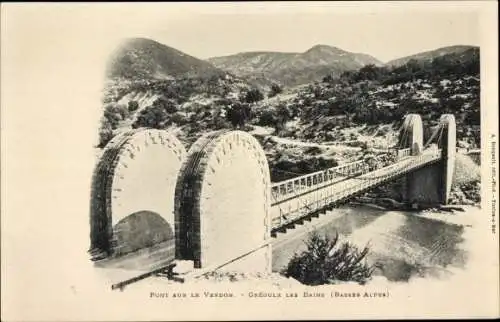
381 95
337 118
293 68
153 85
460 52
317 112
141 58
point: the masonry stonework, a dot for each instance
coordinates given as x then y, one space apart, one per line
132 202
222 203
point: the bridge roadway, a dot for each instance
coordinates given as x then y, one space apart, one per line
298 197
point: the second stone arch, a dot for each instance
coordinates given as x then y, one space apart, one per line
222 203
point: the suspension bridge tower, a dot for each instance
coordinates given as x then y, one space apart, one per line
430 185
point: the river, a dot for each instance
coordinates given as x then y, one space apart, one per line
402 244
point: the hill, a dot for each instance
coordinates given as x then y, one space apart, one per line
380 95
371 95
141 58
153 85
428 56
352 116
293 68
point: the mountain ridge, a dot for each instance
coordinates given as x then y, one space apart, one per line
144 58
283 67
428 55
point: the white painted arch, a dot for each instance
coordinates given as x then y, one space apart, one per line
136 173
223 199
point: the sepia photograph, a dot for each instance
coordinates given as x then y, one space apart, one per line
267 156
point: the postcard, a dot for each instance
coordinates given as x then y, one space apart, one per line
249 161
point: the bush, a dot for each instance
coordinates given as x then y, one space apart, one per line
327 79
115 113
168 105
326 261
238 114
275 90
153 116
313 150
179 118
105 133
267 118
158 115
253 95
133 106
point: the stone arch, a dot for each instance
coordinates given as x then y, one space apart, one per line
222 202
136 173
412 134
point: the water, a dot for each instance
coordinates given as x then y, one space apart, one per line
402 244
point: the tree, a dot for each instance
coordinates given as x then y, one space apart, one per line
326 261
316 90
369 72
275 90
133 106
168 105
254 95
178 118
238 114
267 118
115 113
154 116
327 79
283 115
105 133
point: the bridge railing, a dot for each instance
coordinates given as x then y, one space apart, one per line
402 153
292 208
303 184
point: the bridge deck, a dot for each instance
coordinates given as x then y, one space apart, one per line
298 197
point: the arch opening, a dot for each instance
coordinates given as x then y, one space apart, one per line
140 230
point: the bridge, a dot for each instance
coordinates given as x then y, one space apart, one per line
215 207
294 198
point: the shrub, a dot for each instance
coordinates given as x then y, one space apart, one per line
153 116
133 106
105 133
168 105
326 261
179 118
313 150
238 114
267 118
115 113
275 90
253 95
327 79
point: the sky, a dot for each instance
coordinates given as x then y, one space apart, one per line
383 30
